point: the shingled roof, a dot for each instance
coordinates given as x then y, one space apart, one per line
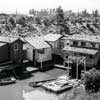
8 39
80 50
52 37
80 37
37 42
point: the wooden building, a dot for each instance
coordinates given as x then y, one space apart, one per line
83 45
37 50
54 40
11 49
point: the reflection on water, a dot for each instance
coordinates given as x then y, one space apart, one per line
17 92
40 94
21 90
11 92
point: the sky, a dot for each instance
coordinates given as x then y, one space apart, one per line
23 6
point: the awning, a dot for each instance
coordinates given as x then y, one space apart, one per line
80 50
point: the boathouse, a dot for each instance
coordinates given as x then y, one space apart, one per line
82 45
54 40
37 50
11 49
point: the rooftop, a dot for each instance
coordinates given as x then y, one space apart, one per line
37 42
84 37
81 50
2 44
8 39
52 37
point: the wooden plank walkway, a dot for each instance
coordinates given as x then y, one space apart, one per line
62 67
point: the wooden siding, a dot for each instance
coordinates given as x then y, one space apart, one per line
4 53
46 56
16 56
88 44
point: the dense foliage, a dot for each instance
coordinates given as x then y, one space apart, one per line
92 80
59 15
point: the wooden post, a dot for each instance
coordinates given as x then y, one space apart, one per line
64 59
68 66
64 62
41 60
84 64
77 69
15 74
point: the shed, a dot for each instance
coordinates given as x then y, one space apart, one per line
91 55
37 49
55 41
14 49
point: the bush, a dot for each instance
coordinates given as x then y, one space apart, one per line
91 80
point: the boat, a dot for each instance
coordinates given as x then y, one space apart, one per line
39 83
7 81
35 84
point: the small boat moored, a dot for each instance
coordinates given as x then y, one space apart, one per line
6 81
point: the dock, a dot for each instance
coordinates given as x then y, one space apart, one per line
62 67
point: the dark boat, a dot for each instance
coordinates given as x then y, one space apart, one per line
35 84
38 83
6 81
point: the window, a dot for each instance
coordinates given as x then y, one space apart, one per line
92 45
83 44
27 48
41 51
99 46
75 54
66 56
91 56
15 47
81 54
67 43
55 45
75 43
61 45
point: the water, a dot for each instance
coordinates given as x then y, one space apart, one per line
21 90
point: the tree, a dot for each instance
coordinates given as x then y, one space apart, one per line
59 15
91 80
52 19
95 13
46 21
38 20
85 13
32 11
11 21
61 21
64 29
21 20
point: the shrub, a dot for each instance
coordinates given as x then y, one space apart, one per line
91 80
